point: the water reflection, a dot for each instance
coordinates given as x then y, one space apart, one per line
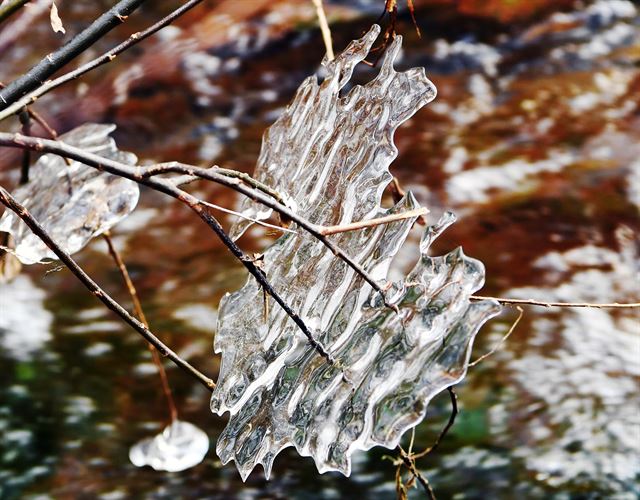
532 140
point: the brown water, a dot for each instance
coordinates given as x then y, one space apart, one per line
533 141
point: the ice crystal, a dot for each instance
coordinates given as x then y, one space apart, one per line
73 202
179 446
330 155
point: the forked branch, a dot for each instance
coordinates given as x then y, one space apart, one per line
143 175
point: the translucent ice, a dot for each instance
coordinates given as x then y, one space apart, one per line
330 155
179 446
73 202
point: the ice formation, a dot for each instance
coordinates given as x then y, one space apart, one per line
179 446
330 155
73 202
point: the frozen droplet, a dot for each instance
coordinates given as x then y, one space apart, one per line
179 446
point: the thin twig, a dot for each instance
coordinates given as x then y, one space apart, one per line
137 307
43 123
324 29
355 226
246 217
532 302
25 120
452 418
15 206
410 464
169 167
103 59
502 340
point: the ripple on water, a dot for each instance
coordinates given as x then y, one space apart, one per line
582 366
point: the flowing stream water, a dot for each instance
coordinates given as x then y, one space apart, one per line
533 141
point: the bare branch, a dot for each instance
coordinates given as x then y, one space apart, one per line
103 59
37 75
256 195
11 203
532 302
137 307
9 7
142 175
165 186
502 340
324 28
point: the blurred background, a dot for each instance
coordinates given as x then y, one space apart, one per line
533 141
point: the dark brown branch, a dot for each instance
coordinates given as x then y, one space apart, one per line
11 203
452 418
164 186
410 464
137 307
256 195
195 205
37 75
99 61
142 175
9 7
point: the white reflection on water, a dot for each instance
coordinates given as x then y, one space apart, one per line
25 324
580 370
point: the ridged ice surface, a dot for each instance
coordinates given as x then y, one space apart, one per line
73 202
330 155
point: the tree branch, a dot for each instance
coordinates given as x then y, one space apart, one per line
142 175
109 56
316 231
532 302
37 75
165 186
11 203
137 307
9 7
